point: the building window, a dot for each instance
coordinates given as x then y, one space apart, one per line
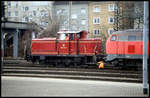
74 16
74 28
111 7
83 22
26 19
43 13
16 13
30 19
63 11
113 38
96 9
9 4
26 8
64 22
111 20
16 4
96 32
9 13
34 13
58 12
83 11
110 31
96 20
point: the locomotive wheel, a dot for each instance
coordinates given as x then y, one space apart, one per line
41 61
67 63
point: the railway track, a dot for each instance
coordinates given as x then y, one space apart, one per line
23 68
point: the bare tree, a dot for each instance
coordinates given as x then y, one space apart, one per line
27 38
138 14
123 15
53 22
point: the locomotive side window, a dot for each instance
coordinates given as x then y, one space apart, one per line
62 36
78 35
113 38
131 38
72 37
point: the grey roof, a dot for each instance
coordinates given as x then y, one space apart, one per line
129 31
67 2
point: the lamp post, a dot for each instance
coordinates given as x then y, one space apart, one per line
145 85
70 6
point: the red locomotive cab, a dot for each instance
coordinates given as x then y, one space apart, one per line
125 45
67 42
72 35
111 44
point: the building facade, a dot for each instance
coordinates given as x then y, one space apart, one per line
74 19
101 18
27 11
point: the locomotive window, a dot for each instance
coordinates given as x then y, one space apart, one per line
72 37
78 35
113 38
131 38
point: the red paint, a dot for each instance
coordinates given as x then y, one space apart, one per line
125 47
81 45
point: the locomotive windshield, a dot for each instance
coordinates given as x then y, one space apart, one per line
62 36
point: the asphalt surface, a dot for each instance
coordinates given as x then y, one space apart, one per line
27 86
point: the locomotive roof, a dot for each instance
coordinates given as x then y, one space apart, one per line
44 38
68 32
129 31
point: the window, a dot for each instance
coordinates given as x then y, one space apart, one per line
74 27
83 11
34 13
111 7
96 9
111 20
58 12
30 19
9 4
113 38
74 16
9 13
96 32
42 13
110 31
16 4
26 8
26 19
96 20
83 22
62 36
72 37
115 7
131 38
63 11
45 13
64 22
16 13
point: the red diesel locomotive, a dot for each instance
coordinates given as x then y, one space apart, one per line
126 47
71 48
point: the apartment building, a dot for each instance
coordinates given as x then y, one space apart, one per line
28 11
78 14
101 18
